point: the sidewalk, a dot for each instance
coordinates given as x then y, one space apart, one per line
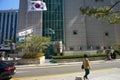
58 64
103 74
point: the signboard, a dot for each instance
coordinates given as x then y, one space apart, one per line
26 32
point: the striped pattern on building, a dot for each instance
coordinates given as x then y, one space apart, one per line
8 25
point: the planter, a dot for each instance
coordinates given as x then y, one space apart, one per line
40 60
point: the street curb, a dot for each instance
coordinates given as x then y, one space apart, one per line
63 74
57 64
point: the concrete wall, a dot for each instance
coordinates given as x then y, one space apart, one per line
74 21
91 32
29 19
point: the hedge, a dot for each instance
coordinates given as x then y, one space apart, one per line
32 55
77 56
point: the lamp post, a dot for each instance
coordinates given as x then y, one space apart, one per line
50 31
25 37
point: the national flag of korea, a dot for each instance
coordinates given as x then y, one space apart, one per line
36 6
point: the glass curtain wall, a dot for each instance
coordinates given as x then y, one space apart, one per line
53 20
8 25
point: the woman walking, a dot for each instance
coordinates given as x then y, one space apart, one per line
86 66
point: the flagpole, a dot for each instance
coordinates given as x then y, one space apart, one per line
41 22
40 34
26 23
38 5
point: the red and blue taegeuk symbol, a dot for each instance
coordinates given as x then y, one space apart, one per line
37 5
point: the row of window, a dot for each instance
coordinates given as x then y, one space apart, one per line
53 20
89 48
75 32
99 0
52 1
8 24
59 1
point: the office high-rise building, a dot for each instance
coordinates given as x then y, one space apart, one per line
53 22
8 25
64 22
29 19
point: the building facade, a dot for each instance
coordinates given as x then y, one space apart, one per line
29 19
53 22
84 32
8 25
64 22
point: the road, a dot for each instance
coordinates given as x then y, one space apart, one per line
62 69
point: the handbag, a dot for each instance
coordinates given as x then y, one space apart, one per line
82 67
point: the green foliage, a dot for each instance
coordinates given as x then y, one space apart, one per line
105 12
32 55
8 41
116 46
33 44
114 19
100 12
77 56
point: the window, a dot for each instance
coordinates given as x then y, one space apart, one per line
90 47
80 48
71 49
75 32
97 47
106 34
99 0
53 18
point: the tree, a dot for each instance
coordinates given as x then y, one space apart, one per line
11 44
116 46
106 12
33 44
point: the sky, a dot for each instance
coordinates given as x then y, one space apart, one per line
9 4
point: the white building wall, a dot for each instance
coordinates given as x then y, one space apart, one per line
74 21
29 19
96 28
117 33
91 31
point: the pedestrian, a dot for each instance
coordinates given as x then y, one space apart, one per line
114 55
108 54
86 66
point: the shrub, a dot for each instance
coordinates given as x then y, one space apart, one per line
116 46
33 44
77 56
32 55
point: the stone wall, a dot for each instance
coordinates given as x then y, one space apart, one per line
40 60
77 59
28 61
80 59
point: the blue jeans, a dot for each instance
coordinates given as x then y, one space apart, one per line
87 71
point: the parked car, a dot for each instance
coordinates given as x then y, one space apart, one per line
7 70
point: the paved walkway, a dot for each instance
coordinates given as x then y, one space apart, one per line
102 74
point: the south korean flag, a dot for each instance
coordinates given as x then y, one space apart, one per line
36 6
